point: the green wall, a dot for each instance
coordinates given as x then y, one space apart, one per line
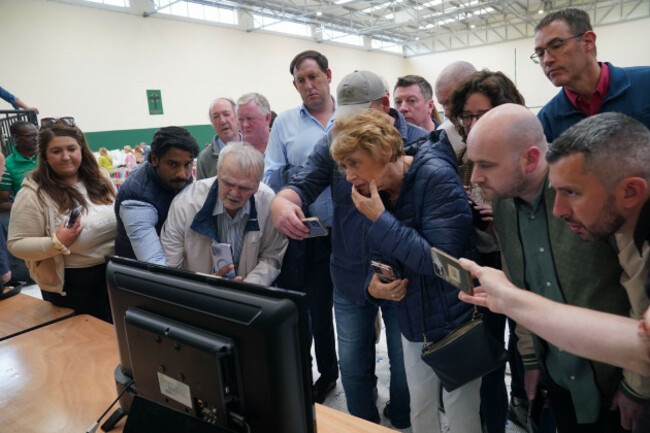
119 139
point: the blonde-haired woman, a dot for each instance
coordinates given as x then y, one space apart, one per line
129 161
105 160
414 200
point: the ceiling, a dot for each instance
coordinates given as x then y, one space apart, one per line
417 27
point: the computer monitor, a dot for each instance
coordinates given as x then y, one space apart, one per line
229 355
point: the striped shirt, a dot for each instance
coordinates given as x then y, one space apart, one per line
231 230
17 168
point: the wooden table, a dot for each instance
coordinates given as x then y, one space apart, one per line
59 378
21 313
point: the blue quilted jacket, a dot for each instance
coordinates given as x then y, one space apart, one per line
431 210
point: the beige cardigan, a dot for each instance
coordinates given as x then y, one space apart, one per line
32 236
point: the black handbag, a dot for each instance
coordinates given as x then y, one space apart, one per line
465 354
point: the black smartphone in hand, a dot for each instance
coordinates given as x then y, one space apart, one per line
74 216
537 405
477 218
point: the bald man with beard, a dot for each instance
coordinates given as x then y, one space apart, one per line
543 255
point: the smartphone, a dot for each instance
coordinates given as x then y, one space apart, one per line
221 256
384 272
316 227
537 406
477 218
446 266
74 216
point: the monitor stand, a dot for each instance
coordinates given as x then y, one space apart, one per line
146 415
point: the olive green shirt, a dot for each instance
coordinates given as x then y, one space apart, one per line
567 370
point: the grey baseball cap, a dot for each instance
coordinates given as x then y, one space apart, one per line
356 91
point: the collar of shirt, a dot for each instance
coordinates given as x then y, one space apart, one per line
242 212
592 106
330 123
19 157
642 229
217 144
538 201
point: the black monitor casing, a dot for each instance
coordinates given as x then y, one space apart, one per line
234 355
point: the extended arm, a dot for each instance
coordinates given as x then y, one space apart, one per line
286 213
172 235
591 334
140 221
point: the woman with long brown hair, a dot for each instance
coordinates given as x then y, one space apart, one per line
64 253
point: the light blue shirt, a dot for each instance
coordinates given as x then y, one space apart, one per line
231 229
294 134
140 220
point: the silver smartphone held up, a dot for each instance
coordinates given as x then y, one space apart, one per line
221 256
384 272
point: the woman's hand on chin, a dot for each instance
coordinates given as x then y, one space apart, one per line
371 206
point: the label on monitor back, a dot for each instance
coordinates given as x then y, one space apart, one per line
174 389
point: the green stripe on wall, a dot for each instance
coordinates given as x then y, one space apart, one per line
119 139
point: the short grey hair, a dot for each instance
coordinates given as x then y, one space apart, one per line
249 159
234 106
577 20
453 74
615 146
263 106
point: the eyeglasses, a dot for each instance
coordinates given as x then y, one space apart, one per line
553 48
46 122
465 119
28 135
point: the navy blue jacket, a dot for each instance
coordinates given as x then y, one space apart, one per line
349 262
144 185
431 210
628 94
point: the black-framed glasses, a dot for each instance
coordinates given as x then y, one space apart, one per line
49 121
465 119
33 135
553 48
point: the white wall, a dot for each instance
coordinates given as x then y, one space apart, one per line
625 44
96 64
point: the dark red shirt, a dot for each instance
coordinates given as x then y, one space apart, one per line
592 106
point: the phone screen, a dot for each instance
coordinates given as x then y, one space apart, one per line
74 216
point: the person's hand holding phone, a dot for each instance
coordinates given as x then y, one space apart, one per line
393 291
67 235
287 217
228 268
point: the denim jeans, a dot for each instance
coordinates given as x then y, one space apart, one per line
356 339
